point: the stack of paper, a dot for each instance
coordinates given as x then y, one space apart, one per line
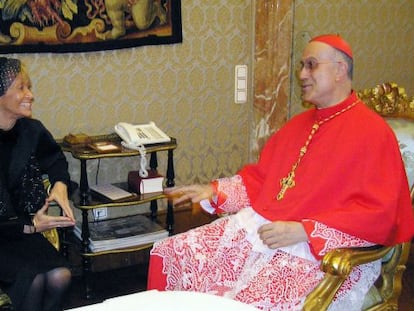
122 232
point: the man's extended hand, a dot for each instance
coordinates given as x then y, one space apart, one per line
193 193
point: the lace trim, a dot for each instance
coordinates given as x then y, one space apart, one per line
335 238
356 287
221 258
235 193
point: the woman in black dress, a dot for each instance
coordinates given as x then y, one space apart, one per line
32 272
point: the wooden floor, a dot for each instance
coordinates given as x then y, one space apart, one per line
120 280
109 284
407 297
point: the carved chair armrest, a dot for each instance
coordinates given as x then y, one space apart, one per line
337 265
52 235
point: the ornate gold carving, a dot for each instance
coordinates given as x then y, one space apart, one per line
389 100
337 265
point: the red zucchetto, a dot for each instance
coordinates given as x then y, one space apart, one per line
336 41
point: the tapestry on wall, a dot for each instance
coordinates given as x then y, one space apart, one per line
87 25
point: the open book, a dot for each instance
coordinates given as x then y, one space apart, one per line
111 192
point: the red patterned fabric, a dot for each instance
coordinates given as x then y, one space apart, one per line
352 177
219 258
350 190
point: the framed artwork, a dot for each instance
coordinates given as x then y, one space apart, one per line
87 25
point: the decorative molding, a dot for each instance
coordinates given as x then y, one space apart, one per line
389 100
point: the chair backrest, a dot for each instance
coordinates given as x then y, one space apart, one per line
393 104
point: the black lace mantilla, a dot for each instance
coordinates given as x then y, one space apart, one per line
31 196
4 202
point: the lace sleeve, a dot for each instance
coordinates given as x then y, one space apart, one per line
231 194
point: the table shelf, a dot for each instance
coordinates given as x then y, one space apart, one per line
86 201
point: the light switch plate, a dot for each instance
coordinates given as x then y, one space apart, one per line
240 84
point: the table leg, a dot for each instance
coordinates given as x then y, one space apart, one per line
83 183
86 261
170 183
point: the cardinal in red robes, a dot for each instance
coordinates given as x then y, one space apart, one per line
331 177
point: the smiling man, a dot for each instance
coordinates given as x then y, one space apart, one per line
319 184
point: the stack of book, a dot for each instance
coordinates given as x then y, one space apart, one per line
121 233
141 185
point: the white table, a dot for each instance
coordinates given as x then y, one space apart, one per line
154 300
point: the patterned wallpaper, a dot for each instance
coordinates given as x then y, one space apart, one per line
187 89
381 33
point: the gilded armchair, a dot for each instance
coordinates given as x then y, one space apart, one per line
391 102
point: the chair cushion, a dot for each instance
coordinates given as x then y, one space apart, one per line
372 298
5 302
404 130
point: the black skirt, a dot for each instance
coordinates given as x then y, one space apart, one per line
22 259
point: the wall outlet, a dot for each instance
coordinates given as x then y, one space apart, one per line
100 213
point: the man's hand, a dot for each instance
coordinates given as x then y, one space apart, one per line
282 233
193 193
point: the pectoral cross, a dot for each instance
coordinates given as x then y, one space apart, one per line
286 183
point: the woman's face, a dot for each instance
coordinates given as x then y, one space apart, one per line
17 102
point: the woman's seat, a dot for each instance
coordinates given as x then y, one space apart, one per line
53 237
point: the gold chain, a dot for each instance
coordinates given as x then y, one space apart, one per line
289 181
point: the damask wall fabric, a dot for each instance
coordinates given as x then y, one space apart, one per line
187 89
380 32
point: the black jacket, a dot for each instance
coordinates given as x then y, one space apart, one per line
28 152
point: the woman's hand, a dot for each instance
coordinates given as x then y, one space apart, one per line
282 233
42 221
59 194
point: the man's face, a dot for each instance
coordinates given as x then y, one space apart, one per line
318 73
17 102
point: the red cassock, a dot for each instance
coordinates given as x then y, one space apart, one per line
349 189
